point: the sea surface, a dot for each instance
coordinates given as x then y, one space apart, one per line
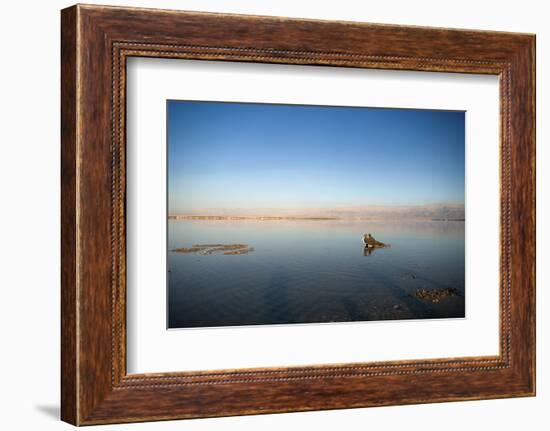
313 271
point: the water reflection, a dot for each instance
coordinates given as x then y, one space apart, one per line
367 251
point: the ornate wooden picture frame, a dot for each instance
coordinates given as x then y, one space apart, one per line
96 41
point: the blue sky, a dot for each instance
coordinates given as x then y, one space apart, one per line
239 155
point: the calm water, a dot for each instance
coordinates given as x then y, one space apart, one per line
312 271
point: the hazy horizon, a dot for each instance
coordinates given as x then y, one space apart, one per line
432 211
244 158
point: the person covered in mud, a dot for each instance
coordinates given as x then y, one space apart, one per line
370 242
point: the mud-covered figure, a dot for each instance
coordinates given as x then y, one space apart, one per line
370 242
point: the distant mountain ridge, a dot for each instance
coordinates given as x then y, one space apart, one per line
427 212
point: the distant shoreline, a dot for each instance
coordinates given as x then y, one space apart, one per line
291 218
448 219
220 217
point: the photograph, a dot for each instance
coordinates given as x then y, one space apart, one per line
285 214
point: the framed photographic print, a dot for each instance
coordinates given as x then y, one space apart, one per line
267 215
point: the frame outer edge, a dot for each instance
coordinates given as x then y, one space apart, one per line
523 213
529 62
88 397
533 54
532 82
69 202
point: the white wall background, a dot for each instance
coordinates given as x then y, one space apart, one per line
29 225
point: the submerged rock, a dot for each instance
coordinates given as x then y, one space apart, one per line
240 251
193 249
436 295
206 249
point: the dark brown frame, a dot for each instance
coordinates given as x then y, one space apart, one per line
95 42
